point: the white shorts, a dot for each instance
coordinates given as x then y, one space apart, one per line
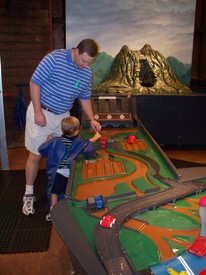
35 135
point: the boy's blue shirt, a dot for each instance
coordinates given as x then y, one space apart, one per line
55 151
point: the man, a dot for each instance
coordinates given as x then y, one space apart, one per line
61 77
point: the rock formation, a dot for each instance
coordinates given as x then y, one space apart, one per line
142 72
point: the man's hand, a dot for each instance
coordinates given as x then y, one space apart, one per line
95 125
39 119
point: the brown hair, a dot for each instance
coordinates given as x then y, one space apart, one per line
89 46
70 125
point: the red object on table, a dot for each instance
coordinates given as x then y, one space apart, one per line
198 247
103 142
107 221
131 139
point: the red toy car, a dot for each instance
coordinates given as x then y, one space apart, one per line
107 221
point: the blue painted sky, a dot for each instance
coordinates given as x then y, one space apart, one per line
166 25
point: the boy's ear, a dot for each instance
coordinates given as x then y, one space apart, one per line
76 132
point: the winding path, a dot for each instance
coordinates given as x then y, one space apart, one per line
106 240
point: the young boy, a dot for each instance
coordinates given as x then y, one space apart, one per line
60 151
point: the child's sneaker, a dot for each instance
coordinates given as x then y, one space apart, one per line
28 205
48 217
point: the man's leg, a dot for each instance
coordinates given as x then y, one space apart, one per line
32 168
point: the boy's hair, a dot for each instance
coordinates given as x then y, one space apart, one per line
70 125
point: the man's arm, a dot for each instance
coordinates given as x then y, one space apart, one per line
35 93
87 108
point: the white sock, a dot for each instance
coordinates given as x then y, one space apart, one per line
29 189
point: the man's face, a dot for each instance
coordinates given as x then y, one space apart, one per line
82 60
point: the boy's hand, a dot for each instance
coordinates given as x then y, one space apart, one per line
96 137
49 137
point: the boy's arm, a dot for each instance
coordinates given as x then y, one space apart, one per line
96 137
49 137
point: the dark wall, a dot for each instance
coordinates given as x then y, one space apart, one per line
29 29
198 72
174 121
24 40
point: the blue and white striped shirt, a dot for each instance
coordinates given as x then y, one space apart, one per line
61 81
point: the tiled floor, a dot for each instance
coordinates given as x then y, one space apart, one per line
55 261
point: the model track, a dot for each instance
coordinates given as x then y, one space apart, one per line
106 240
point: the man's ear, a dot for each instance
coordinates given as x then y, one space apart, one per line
76 51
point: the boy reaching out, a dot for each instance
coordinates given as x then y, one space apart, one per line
60 151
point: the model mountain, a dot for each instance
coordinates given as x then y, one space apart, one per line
183 71
141 72
101 68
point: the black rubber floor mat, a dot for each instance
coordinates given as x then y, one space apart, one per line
20 233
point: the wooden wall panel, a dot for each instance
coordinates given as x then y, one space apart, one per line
26 35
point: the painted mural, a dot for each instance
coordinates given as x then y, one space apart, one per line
166 25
